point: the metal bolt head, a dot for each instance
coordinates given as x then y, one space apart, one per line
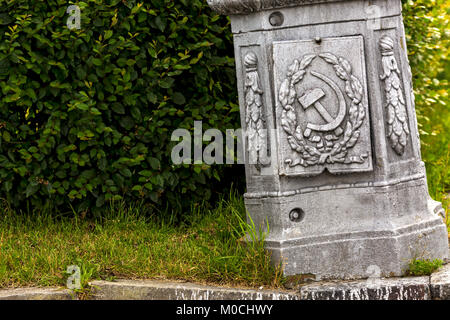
296 215
276 19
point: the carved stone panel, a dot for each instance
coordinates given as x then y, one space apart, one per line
322 106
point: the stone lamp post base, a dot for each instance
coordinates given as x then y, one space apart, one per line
332 148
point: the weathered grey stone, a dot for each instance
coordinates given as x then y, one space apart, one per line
416 288
164 290
440 283
36 294
248 6
325 91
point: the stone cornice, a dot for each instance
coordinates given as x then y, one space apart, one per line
231 7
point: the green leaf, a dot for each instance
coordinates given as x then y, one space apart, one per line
154 163
152 97
154 196
160 23
126 172
100 201
97 62
127 122
108 34
31 189
8 185
137 188
166 83
146 173
118 108
6 136
136 113
152 52
178 98
82 106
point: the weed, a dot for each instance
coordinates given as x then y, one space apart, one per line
419 267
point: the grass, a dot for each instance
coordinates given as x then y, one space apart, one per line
35 250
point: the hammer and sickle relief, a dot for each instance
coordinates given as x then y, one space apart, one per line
312 98
334 139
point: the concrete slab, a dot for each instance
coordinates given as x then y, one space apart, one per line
163 290
36 294
411 288
436 287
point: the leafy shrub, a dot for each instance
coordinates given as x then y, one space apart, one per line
86 115
427 34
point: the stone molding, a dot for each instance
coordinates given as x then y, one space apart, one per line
233 7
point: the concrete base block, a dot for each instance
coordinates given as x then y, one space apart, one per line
358 240
416 288
440 283
353 256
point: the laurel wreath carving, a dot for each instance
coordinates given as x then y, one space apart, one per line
254 119
396 115
310 155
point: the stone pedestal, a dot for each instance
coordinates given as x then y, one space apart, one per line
332 147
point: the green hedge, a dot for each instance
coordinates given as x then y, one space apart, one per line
428 35
86 115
